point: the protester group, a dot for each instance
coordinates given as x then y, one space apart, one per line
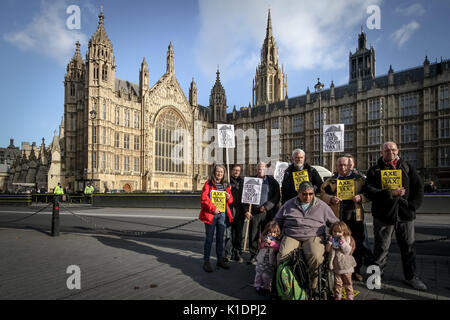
320 217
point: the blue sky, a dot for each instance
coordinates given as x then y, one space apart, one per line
314 39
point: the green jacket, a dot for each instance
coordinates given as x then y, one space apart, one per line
58 190
89 190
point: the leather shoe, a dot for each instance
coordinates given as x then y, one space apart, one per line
237 257
222 264
207 266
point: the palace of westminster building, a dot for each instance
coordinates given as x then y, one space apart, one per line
129 144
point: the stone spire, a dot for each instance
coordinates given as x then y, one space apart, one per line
170 59
269 79
218 100
193 94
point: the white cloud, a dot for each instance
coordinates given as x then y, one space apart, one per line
402 35
309 35
415 9
47 34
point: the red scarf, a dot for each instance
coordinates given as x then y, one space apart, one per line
392 163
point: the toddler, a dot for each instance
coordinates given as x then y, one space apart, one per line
266 260
341 245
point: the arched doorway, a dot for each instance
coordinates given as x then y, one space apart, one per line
127 188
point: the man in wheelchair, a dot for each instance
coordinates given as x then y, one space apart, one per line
303 221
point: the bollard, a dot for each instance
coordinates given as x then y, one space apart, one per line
55 217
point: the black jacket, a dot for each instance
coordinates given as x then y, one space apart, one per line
288 187
237 208
390 209
273 199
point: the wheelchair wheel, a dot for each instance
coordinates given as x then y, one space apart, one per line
325 282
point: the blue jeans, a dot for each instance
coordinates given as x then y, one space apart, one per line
219 224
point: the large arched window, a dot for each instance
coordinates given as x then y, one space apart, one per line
165 159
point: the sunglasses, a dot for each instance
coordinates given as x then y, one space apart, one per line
307 193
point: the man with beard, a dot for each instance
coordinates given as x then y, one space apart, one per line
296 173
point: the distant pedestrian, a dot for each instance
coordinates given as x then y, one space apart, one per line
396 191
88 191
214 218
430 187
58 192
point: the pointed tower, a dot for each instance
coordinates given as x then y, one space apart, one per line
362 62
268 84
170 59
100 58
74 106
193 94
218 102
143 77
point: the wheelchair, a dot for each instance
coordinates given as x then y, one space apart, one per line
325 282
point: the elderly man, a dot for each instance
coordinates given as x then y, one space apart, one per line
303 222
297 172
344 194
396 191
264 212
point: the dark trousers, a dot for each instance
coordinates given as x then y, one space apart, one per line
237 228
404 233
257 224
357 229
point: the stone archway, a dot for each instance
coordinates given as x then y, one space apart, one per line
127 188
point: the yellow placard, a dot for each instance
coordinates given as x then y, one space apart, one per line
345 189
299 177
391 179
219 199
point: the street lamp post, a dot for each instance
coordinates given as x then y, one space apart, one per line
93 114
318 87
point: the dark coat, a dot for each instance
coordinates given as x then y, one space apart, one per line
288 187
273 200
237 208
390 209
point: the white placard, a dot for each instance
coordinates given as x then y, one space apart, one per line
279 171
333 137
225 134
251 192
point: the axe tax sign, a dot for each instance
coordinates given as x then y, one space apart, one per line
219 199
299 177
251 192
345 189
391 179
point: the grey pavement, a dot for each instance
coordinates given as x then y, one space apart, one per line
33 265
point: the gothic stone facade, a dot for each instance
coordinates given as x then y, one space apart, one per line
410 107
129 145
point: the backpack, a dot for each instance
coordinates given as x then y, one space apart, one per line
288 279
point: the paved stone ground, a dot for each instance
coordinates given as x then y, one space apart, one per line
34 265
